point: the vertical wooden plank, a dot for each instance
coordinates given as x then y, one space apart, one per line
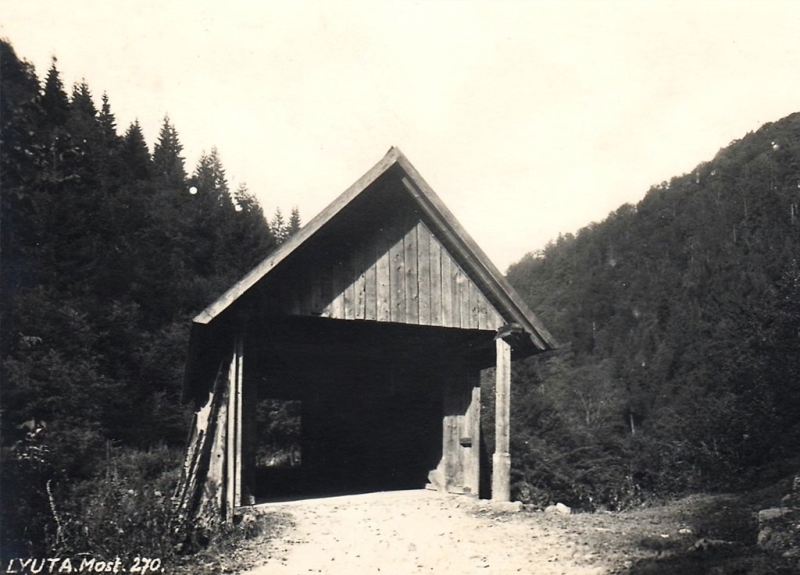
460 292
306 291
337 290
360 286
323 277
450 447
447 290
474 296
383 278
410 257
466 302
471 432
494 319
483 311
424 273
349 279
370 281
317 304
436 280
290 299
501 460
295 294
397 277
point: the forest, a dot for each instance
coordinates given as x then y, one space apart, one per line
678 320
108 251
679 324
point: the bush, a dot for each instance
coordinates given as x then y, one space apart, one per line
122 510
125 511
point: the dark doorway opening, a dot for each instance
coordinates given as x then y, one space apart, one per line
370 397
346 427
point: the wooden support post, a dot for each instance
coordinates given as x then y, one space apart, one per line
233 448
501 460
230 444
237 470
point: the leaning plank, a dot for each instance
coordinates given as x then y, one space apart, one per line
199 510
213 497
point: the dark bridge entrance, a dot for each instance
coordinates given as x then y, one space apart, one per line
367 403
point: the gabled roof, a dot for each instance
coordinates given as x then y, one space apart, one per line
443 224
446 224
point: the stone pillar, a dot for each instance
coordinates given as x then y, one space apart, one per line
501 460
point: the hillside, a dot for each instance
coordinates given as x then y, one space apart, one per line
108 250
679 320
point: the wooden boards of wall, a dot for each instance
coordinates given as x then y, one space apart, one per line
401 273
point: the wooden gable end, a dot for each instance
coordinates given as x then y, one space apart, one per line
395 270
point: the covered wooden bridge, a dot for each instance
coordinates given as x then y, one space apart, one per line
349 359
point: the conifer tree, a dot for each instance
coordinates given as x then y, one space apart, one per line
107 121
82 102
278 227
135 154
84 131
210 181
111 164
54 99
168 164
252 236
294 222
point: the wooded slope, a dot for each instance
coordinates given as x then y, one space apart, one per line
681 323
107 253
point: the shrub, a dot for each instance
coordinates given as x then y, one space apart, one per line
125 511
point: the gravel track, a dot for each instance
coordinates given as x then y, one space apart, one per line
414 532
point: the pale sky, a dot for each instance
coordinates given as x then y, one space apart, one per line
528 118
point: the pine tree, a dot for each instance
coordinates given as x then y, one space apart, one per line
210 181
82 103
278 227
294 222
252 234
135 154
168 164
110 143
107 121
54 99
84 131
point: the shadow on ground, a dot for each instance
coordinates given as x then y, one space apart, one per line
720 538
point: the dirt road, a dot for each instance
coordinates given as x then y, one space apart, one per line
408 532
